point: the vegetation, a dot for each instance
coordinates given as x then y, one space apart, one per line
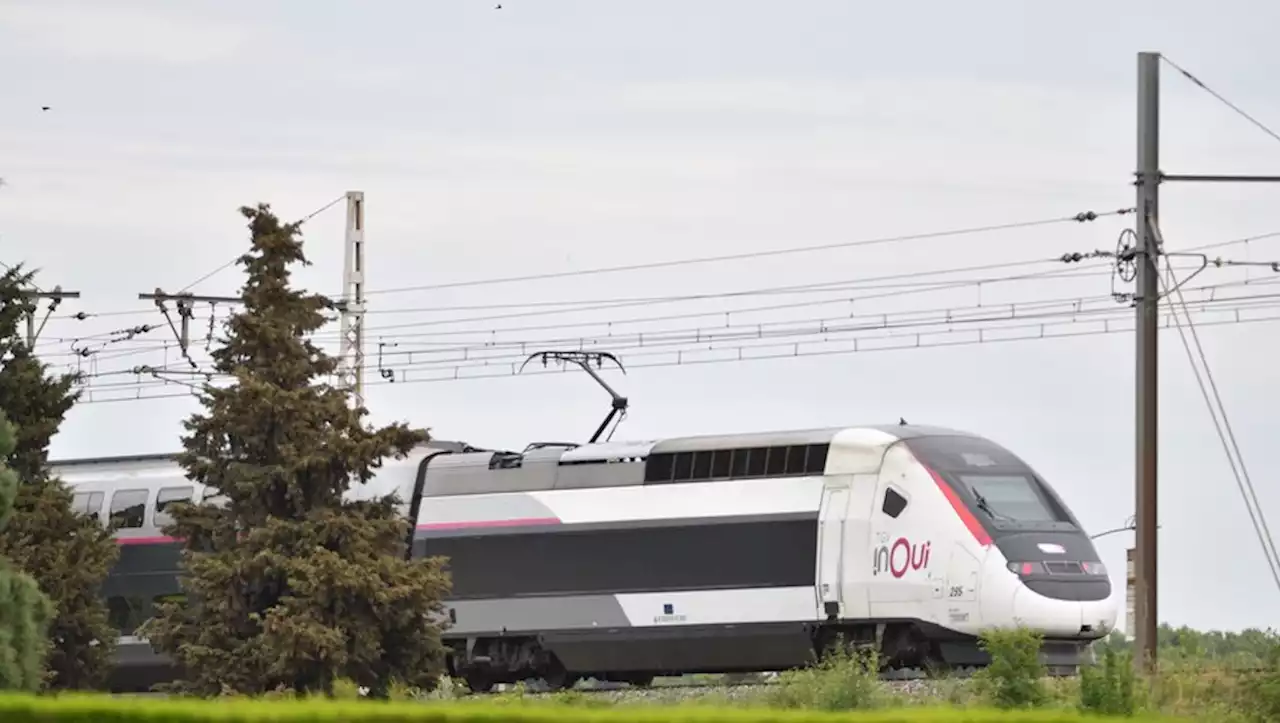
1015 677
69 555
24 611
24 710
287 585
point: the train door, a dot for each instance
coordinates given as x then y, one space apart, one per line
905 569
962 587
831 534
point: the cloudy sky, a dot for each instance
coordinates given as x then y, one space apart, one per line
555 136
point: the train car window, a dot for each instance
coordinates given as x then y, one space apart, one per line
684 467
87 503
702 465
659 468
777 464
129 508
894 503
167 496
721 463
816 461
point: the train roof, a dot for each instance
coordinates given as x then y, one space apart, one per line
572 452
448 445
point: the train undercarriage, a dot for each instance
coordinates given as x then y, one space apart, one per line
559 660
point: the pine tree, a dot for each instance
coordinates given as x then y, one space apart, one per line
68 554
287 585
24 611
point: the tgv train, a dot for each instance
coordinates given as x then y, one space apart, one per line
728 553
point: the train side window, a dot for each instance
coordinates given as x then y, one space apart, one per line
167 496
129 508
721 463
87 503
894 503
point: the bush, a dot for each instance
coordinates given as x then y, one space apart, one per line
1262 691
842 680
1014 679
1109 690
24 610
86 709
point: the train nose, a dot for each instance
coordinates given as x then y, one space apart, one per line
1062 588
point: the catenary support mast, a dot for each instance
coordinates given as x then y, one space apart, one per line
351 352
1147 304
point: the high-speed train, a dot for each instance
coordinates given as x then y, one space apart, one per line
623 561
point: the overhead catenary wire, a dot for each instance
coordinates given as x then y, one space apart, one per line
137 389
1226 434
1221 98
745 353
1082 217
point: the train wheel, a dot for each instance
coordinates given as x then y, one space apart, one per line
478 681
558 678
640 681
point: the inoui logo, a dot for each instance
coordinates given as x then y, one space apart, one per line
901 556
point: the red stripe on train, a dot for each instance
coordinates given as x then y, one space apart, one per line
966 516
468 524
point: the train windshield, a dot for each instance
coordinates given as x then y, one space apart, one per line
993 481
1011 498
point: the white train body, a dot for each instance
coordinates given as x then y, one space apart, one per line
729 553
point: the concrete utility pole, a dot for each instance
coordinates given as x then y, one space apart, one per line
1147 304
56 296
1147 251
351 351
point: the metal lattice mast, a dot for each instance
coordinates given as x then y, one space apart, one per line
351 354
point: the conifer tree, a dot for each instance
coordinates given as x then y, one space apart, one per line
24 610
68 554
288 585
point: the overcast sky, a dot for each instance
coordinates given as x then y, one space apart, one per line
555 136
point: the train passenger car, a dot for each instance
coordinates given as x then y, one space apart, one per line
731 553
750 552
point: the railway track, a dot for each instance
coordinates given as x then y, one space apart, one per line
902 675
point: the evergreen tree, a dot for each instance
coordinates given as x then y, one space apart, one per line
286 583
68 554
24 611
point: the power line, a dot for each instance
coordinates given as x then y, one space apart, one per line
824 330
1203 86
233 261
1014 310
813 287
1082 217
817 353
745 352
1229 444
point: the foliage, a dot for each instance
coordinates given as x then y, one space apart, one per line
843 679
24 611
83 709
286 582
1111 689
69 555
1014 679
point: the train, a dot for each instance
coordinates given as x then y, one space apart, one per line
730 553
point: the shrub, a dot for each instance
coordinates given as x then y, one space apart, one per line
1014 679
842 680
1109 690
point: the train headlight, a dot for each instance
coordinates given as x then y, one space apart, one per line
1094 568
1024 569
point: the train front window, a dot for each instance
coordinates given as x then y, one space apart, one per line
1011 498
